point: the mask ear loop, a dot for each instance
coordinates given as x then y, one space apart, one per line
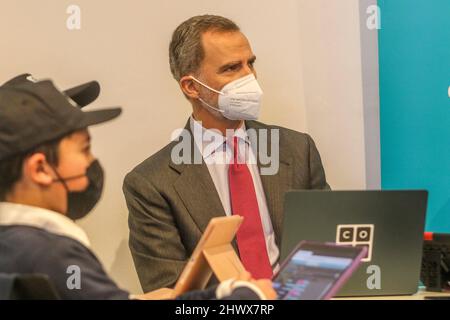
209 106
203 101
63 181
60 179
206 86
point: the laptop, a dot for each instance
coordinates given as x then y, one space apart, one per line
390 224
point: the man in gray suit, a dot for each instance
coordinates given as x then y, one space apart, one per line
225 168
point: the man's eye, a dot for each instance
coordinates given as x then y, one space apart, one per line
233 68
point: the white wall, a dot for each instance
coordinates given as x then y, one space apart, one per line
308 64
329 33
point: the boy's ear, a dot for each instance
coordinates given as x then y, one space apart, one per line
37 169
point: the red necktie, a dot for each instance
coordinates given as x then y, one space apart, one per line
250 236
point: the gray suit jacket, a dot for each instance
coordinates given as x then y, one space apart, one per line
171 204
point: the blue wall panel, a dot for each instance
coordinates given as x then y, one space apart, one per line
414 56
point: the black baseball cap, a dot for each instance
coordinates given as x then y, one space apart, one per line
83 94
33 113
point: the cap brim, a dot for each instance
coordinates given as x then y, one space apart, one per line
18 80
99 116
84 94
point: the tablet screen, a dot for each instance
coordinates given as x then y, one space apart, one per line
312 271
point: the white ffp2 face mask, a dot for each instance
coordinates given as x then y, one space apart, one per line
239 99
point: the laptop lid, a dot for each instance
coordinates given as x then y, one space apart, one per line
389 223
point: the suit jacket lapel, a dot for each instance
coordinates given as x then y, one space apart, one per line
197 191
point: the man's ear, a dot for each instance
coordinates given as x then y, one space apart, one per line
36 169
187 84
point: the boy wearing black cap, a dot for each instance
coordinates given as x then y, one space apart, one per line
47 171
49 178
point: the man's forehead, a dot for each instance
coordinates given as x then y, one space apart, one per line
223 47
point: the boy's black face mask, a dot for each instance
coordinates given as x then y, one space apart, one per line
80 203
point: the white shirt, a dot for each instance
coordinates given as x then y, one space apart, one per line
12 214
217 155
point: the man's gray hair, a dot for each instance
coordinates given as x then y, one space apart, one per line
186 50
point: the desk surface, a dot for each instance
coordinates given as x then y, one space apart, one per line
420 295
